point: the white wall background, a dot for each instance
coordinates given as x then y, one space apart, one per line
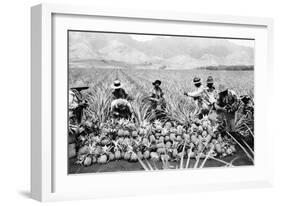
15 95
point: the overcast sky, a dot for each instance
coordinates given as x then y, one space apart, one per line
242 42
171 51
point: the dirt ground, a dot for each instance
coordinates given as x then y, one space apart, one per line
122 165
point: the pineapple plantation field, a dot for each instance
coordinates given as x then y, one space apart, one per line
179 142
242 82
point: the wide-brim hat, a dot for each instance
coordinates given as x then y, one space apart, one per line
222 88
116 84
156 82
196 80
210 80
79 88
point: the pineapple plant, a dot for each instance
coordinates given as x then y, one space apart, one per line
204 134
168 145
146 154
218 148
83 150
167 138
161 150
102 159
179 138
179 129
168 125
111 156
120 133
117 155
134 134
88 161
127 155
154 156
152 138
172 136
134 157
94 159
126 133
140 155
161 139
164 131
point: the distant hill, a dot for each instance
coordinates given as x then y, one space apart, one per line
159 52
229 68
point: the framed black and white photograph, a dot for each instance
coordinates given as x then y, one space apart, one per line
122 99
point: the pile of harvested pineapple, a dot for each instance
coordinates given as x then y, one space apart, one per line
116 140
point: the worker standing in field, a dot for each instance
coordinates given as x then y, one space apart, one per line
226 106
197 95
157 101
156 94
210 94
119 92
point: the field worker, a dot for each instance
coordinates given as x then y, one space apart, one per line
247 105
121 108
157 101
197 95
246 112
226 105
76 104
119 92
210 92
156 94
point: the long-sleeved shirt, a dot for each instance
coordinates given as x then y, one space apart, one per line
197 93
156 93
210 95
198 98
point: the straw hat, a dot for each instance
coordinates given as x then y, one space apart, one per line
196 80
117 84
79 88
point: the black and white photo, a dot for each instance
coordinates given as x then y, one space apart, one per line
145 102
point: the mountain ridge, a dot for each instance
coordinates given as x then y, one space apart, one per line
173 52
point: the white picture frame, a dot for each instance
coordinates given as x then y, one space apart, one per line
50 181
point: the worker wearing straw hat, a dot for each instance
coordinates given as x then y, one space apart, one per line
226 105
210 92
119 92
197 95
